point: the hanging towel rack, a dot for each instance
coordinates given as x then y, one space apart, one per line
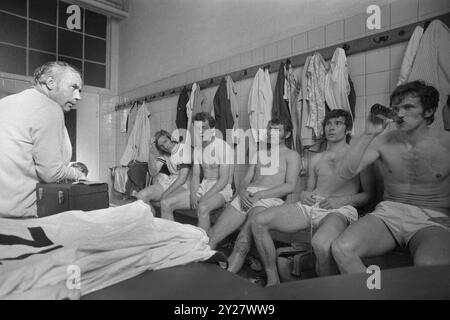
370 42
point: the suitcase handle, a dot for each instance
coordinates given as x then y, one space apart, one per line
60 197
40 193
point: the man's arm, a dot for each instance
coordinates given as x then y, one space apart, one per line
224 173
292 173
358 157
181 179
47 133
306 197
154 165
367 194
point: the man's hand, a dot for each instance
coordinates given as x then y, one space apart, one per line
307 198
194 200
246 200
333 203
376 128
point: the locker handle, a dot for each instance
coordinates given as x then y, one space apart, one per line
60 197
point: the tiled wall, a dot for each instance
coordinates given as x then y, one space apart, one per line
374 73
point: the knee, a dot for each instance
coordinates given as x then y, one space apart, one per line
166 204
321 246
342 248
258 223
203 210
427 260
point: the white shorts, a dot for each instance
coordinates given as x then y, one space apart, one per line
315 214
207 184
404 220
166 181
265 203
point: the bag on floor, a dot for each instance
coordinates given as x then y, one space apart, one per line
296 262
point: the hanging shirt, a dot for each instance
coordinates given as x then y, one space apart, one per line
181 120
138 142
337 86
432 65
222 110
260 104
316 74
292 87
410 55
234 105
280 108
190 106
75 253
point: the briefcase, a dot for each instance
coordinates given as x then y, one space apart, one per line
54 198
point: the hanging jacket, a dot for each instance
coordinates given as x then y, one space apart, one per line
260 104
432 65
222 110
138 142
182 120
232 96
337 86
201 103
280 108
410 55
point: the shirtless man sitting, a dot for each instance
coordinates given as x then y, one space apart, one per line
328 203
215 159
415 166
258 191
169 164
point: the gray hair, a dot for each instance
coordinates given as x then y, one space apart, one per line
51 69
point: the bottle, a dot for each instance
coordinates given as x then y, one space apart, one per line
380 113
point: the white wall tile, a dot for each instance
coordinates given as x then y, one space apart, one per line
359 83
356 64
235 62
394 74
427 7
359 126
404 12
246 59
300 43
355 26
377 60
316 38
334 32
377 83
284 48
270 52
360 107
397 53
257 56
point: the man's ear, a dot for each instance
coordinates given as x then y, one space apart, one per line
50 83
428 113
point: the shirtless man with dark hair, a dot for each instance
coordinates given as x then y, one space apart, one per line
262 187
328 203
415 166
214 157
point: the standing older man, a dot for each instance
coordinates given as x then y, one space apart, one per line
35 146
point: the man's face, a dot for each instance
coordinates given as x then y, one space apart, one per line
165 144
67 91
205 131
335 129
410 113
275 133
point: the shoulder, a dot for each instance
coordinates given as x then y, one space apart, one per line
292 155
443 137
